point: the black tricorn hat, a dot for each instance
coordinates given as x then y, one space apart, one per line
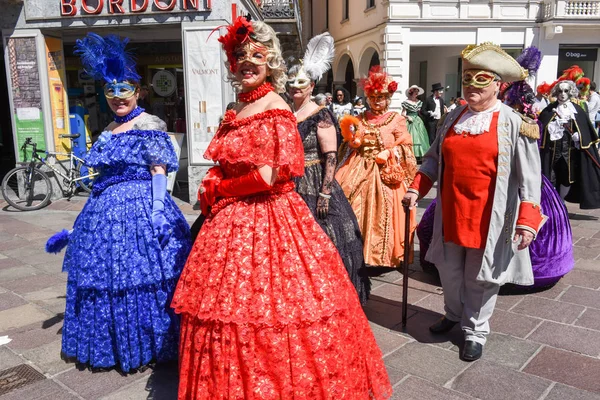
436 86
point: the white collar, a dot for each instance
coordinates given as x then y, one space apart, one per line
476 122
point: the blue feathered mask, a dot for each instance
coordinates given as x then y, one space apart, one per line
106 59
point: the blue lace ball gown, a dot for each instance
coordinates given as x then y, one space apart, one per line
120 282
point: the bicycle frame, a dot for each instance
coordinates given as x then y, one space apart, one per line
71 170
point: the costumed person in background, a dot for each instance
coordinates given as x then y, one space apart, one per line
432 110
568 149
341 103
552 251
486 160
410 110
130 242
318 128
359 107
541 97
268 311
376 171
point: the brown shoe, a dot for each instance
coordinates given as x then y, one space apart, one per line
442 326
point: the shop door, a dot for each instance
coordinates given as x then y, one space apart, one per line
167 95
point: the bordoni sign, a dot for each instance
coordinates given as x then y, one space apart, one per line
71 8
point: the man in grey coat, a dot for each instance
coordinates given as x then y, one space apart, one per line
486 160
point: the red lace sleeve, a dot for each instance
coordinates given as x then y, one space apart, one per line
267 138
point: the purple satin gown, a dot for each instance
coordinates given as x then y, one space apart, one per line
551 252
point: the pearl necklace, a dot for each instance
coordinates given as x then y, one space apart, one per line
301 108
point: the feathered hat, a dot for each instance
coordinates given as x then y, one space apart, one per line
378 82
490 57
319 54
238 33
575 73
520 92
106 59
544 89
317 60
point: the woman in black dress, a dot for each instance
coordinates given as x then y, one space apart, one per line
319 131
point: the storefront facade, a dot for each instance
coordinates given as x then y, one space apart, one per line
184 81
419 42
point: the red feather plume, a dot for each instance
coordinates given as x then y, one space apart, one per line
237 33
378 82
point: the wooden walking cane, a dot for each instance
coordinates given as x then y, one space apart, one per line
405 264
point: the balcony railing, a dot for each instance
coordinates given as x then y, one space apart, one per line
284 10
571 9
278 9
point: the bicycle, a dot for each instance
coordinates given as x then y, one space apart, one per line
28 188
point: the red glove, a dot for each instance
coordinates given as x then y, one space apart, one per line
207 192
244 185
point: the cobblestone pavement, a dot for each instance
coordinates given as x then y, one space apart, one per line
544 345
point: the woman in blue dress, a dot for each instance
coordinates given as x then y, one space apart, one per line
130 241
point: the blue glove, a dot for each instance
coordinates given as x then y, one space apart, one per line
162 228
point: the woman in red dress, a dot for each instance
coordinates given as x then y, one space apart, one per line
268 311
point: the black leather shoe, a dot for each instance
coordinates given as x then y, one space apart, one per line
442 326
472 351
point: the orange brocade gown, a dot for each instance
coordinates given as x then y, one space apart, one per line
267 309
378 207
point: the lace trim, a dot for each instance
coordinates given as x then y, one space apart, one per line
236 123
276 190
318 110
476 123
101 186
264 324
142 133
389 119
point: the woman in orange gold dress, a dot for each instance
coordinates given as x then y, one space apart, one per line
376 172
267 309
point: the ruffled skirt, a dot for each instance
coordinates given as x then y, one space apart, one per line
120 283
379 212
268 310
418 132
340 225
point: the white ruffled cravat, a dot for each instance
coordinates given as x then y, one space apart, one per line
564 113
476 123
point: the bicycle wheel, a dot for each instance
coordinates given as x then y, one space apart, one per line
26 189
86 183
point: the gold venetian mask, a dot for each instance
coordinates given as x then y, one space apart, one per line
478 78
252 52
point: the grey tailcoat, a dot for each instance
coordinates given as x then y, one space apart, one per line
518 179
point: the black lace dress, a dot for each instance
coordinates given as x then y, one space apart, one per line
341 224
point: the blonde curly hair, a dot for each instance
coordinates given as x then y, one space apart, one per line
266 36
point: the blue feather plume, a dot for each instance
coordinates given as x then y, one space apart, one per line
106 59
57 242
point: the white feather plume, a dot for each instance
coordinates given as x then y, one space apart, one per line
319 55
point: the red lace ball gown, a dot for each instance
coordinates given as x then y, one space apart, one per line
268 311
